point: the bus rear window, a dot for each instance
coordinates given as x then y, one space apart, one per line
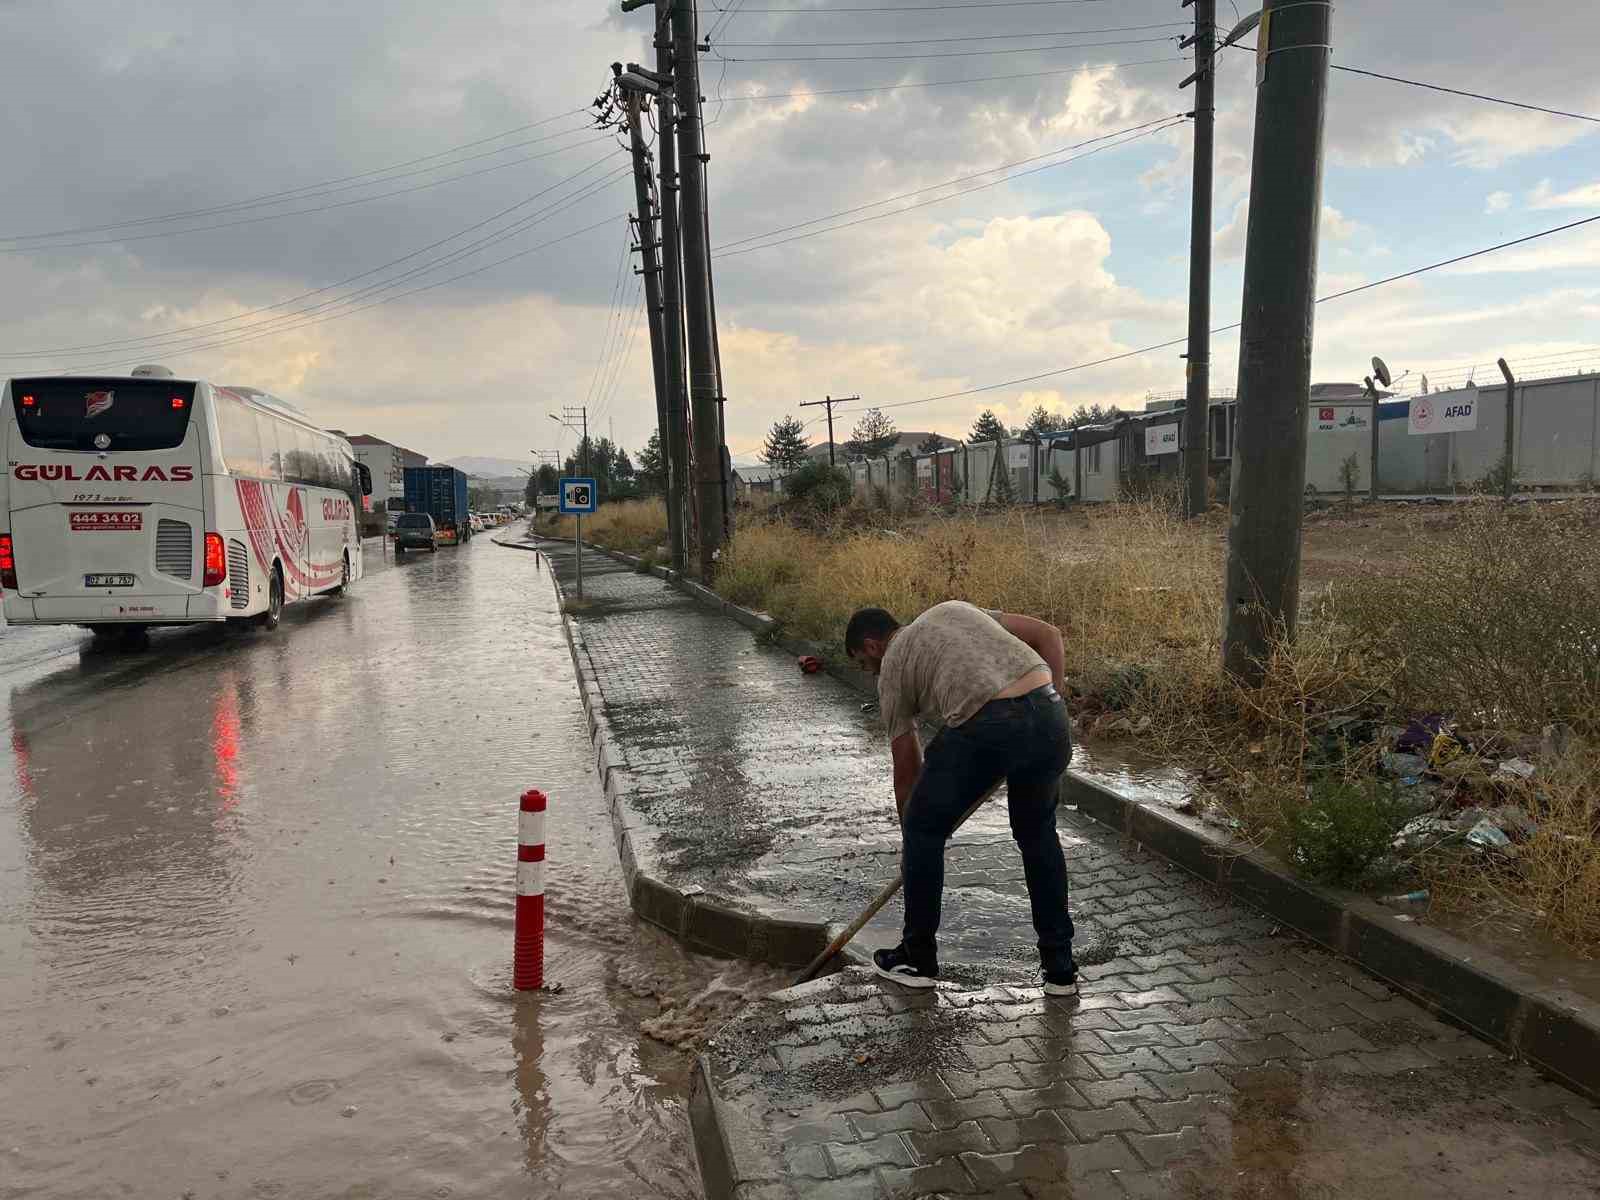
102 414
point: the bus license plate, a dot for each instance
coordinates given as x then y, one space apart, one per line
108 581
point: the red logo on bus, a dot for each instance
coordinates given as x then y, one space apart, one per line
95 403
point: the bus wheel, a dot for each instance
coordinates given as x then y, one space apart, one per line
103 631
134 637
269 619
344 579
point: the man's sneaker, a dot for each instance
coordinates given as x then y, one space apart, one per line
1065 987
893 964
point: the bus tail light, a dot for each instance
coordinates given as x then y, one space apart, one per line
216 560
8 563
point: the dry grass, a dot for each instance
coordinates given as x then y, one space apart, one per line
632 526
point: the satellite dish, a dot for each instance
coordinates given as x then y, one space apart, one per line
1381 370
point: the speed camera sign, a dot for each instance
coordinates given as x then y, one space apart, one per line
578 495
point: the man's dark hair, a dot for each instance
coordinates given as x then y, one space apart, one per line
867 623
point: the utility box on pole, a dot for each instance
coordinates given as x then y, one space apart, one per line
1294 43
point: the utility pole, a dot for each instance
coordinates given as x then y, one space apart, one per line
830 402
694 231
650 267
1511 408
1197 410
1280 268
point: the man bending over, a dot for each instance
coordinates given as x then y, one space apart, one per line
993 680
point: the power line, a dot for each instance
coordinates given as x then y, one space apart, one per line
611 318
375 304
946 53
150 339
294 193
1436 87
1111 358
1439 87
844 212
917 8
297 212
1153 128
896 87
968 37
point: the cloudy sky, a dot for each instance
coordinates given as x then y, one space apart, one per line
284 195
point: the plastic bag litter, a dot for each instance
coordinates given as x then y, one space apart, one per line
1488 835
1515 769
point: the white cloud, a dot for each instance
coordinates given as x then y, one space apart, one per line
1497 202
1544 196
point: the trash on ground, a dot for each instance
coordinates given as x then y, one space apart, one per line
1515 768
1409 767
1416 897
1488 835
810 664
1423 831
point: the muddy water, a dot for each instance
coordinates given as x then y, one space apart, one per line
255 899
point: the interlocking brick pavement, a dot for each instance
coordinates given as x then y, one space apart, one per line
1209 1054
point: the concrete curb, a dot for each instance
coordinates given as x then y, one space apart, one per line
1554 1029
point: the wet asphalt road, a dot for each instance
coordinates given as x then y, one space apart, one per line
255 898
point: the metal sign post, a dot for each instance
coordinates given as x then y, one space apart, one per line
578 495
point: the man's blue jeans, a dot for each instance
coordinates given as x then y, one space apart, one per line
1027 742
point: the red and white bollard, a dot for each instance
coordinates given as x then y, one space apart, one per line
527 969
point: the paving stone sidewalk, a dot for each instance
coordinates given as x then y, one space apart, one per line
1209 1055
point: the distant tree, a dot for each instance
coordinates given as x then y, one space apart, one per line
1094 414
873 437
651 470
987 428
609 464
930 444
1040 423
530 491
479 499
786 445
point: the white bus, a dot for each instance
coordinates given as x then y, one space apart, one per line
144 500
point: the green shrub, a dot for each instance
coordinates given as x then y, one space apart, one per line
819 486
1343 828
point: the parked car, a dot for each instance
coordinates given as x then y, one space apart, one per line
415 531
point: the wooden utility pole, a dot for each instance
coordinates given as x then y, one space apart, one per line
1280 270
1197 405
830 401
695 234
655 309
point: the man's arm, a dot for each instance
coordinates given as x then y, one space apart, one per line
1044 639
907 753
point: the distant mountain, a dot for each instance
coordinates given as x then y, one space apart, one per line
489 468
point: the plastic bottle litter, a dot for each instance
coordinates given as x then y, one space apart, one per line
1407 897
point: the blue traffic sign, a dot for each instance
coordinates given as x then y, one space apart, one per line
579 495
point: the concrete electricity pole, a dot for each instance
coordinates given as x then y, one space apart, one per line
1280 267
651 268
1197 406
676 448
830 402
694 230
1511 441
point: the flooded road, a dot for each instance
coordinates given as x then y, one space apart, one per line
255 913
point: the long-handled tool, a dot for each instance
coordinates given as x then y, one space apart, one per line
878 901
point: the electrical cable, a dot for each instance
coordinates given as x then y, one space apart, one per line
844 212
298 317
247 336
298 212
897 87
967 37
1435 87
611 317
947 53
163 335
917 8
1152 129
1111 358
309 192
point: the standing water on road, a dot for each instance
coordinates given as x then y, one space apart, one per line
255 913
